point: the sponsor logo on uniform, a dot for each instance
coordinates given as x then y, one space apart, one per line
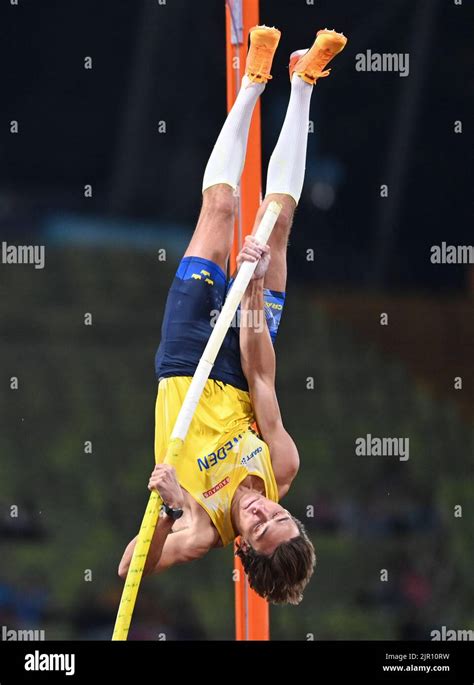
210 460
217 487
245 460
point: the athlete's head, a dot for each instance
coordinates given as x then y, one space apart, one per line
276 553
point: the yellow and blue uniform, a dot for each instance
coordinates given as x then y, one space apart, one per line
222 447
195 297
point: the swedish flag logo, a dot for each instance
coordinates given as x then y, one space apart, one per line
205 274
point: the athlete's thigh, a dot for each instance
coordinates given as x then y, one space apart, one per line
194 301
214 233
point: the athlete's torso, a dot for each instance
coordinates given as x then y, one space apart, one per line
222 451
194 516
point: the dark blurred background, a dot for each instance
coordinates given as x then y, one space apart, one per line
105 171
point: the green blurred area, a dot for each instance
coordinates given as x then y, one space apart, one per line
78 507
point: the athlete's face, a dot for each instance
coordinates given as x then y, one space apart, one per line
264 524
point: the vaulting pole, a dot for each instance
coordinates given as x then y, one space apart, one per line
251 611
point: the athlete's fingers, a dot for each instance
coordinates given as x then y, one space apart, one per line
249 258
251 241
258 248
252 250
163 468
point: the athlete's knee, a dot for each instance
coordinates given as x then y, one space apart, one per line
282 230
285 221
220 201
285 218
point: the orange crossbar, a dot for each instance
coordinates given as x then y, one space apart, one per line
251 611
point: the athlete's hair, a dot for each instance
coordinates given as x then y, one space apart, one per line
280 577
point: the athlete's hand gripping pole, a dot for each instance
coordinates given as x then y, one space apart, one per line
183 421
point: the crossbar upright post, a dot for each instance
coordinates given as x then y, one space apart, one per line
251 611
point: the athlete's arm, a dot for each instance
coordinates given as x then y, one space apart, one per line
283 451
167 549
259 366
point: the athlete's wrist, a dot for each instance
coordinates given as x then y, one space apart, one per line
175 500
174 504
172 512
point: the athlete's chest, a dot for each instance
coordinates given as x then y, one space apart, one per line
194 516
254 482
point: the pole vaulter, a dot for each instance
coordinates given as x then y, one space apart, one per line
223 457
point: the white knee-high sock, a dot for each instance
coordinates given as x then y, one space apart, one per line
227 159
287 164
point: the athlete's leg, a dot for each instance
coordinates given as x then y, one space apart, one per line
199 287
213 236
285 178
287 165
